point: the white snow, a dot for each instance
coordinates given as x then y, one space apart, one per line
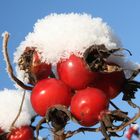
10 101
58 35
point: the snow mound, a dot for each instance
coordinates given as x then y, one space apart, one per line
57 36
10 101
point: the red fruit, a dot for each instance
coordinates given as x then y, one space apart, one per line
1 131
40 70
111 83
128 136
49 92
75 72
87 104
22 133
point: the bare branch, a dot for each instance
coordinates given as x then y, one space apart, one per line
114 105
125 124
8 64
38 126
82 129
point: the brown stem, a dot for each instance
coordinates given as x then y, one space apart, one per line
103 131
19 112
82 129
38 126
9 67
59 135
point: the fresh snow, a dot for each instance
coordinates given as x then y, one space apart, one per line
57 36
10 101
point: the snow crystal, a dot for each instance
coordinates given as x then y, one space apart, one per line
57 36
10 101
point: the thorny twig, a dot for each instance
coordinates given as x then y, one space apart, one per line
122 126
19 112
9 67
106 130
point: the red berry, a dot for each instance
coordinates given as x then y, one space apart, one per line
49 92
31 62
40 70
75 72
111 83
87 104
1 131
22 133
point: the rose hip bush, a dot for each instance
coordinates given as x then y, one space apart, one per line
73 65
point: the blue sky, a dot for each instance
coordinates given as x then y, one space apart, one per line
18 18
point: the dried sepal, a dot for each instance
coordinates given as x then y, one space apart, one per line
129 89
25 62
134 74
58 115
96 58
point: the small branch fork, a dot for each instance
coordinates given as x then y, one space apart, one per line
9 67
107 128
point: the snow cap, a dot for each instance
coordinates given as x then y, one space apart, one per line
10 101
57 36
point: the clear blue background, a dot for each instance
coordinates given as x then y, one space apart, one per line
18 18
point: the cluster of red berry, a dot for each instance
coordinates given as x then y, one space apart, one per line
86 92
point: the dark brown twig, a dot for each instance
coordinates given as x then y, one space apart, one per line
38 126
122 126
9 67
81 129
114 105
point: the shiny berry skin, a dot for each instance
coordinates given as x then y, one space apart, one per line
1 131
49 92
22 133
111 83
40 70
87 104
75 72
